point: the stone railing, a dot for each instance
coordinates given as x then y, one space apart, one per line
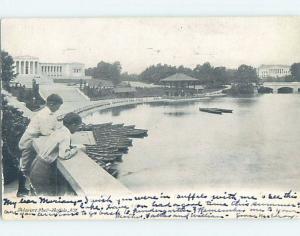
94 181
115 103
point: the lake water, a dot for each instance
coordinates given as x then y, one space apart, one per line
255 147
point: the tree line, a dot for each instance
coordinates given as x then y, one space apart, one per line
206 73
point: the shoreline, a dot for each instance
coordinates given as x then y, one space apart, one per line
108 104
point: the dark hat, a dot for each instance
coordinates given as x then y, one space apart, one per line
72 118
54 99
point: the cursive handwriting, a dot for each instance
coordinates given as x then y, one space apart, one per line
161 206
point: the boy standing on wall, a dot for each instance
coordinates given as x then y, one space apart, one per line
42 124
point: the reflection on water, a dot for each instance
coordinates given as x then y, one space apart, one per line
172 104
176 113
117 110
255 147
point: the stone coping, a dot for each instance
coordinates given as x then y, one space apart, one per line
84 175
87 178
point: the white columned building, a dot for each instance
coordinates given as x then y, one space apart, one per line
26 65
29 68
273 71
63 70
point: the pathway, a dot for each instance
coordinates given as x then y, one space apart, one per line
72 96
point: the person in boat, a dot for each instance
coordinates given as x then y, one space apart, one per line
42 124
43 174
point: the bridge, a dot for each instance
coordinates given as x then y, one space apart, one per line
283 87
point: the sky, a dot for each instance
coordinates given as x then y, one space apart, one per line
140 42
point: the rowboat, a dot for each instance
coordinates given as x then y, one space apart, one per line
211 110
218 111
224 110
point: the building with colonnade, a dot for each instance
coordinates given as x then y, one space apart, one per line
29 67
273 71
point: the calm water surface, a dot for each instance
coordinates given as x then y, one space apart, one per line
256 147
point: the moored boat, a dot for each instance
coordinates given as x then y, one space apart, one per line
224 110
218 111
211 110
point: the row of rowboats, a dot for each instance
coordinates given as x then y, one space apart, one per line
112 142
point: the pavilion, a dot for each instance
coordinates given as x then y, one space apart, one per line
180 85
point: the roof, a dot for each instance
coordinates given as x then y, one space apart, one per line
25 57
273 66
99 83
179 77
62 63
33 58
124 90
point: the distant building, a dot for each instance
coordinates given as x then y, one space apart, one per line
62 70
28 68
273 71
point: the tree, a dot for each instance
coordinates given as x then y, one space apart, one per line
219 76
107 71
90 72
155 73
204 73
244 77
206 70
185 70
129 77
230 74
7 69
246 74
295 71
